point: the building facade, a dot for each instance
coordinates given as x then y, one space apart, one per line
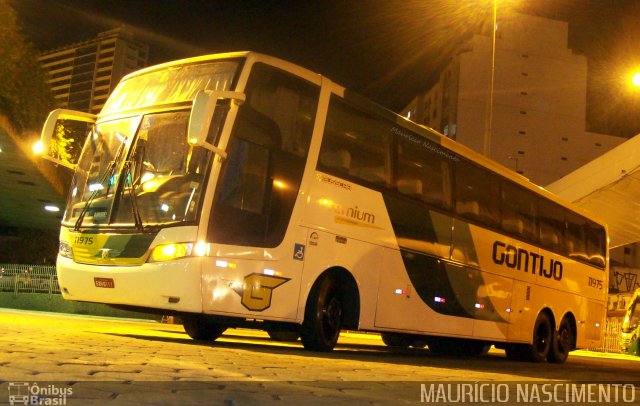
539 100
82 75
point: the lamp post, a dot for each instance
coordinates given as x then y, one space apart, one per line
489 119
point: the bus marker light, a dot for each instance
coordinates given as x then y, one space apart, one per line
221 263
439 299
271 272
479 306
201 249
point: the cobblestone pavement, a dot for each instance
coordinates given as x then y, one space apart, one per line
51 358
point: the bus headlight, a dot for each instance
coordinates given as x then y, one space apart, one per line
168 252
65 250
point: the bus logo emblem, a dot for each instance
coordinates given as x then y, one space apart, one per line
257 290
104 253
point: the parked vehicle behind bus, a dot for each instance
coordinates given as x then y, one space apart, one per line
630 332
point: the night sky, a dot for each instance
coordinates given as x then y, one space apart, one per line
387 50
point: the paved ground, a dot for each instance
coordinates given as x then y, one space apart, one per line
88 360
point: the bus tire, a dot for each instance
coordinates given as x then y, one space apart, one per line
323 317
562 343
539 349
542 338
201 327
284 336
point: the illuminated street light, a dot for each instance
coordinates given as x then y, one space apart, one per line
635 80
38 148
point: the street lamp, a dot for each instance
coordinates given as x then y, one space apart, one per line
635 80
489 119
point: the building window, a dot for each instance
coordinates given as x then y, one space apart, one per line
524 74
523 112
565 139
564 158
523 93
598 144
522 132
520 152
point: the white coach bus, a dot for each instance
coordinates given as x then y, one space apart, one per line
239 190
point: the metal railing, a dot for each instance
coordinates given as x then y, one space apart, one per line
611 339
20 278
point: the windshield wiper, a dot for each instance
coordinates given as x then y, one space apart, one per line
104 178
128 170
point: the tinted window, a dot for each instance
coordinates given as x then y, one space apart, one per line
356 144
477 193
518 211
267 152
423 169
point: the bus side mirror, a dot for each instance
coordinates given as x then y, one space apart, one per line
202 111
63 136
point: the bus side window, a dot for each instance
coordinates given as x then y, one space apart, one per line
421 173
477 194
518 211
339 159
575 238
356 144
596 245
550 225
261 176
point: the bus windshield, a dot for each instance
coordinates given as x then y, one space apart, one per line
140 170
173 85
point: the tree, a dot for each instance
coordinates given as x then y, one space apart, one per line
25 97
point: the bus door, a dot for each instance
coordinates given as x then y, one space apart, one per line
520 312
259 251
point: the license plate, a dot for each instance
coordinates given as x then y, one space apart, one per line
104 283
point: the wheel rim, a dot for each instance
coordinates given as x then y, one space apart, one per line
331 314
542 338
564 340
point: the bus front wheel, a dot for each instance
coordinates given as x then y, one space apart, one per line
323 317
200 327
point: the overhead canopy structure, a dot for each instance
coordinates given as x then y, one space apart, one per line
609 187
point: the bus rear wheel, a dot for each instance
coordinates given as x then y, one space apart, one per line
201 327
539 350
323 317
562 343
